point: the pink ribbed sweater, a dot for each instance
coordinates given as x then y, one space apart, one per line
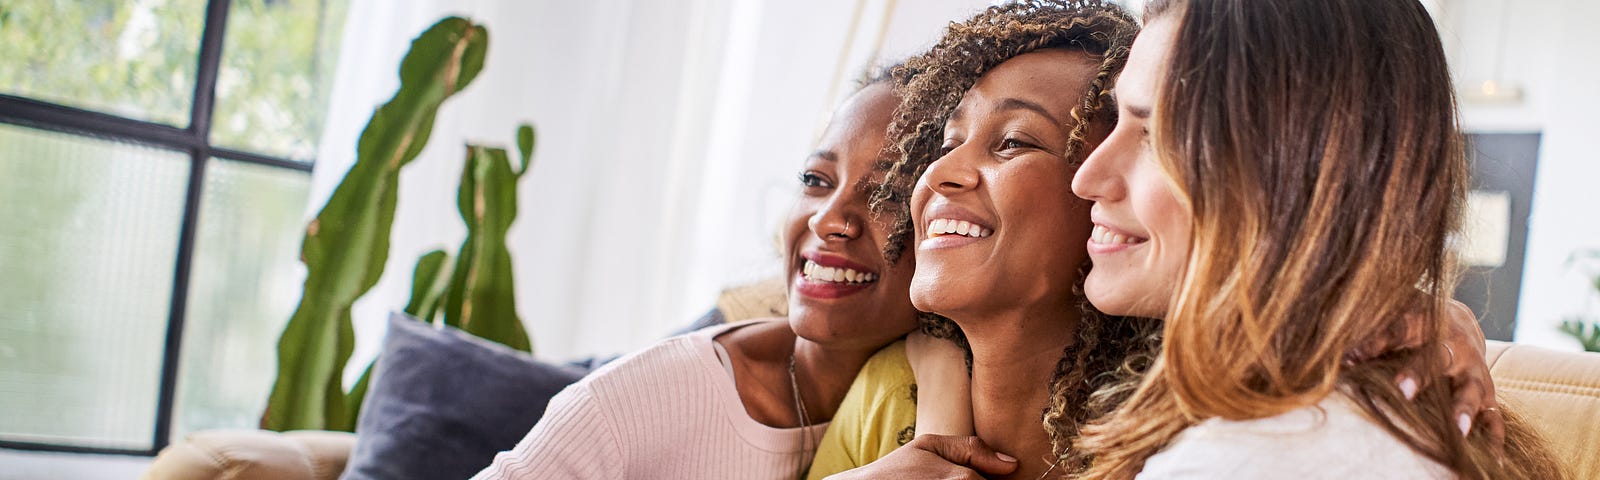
670 411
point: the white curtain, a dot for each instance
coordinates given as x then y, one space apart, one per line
669 134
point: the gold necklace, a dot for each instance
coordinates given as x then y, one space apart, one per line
803 417
1051 469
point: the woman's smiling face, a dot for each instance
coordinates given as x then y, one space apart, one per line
1142 230
997 225
841 288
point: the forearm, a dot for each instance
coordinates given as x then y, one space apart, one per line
944 388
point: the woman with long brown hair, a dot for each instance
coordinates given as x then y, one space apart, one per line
1282 180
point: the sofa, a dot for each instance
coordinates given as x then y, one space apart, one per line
1558 391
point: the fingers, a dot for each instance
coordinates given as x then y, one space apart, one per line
968 451
1410 382
1407 381
1459 355
1484 408
1468 402
1493 422
1461 329
1403 335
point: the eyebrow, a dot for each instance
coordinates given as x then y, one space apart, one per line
1138 111
957 114
828 155
1019 104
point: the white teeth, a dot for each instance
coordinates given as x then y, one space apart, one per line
945 226
819 273
1104 235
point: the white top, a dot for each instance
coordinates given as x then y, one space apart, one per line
1332 440
670 411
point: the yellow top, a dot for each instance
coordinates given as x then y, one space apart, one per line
879 414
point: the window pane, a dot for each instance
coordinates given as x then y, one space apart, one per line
277 68
135 59
245 282
88 246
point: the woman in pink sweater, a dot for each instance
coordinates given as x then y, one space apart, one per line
748 400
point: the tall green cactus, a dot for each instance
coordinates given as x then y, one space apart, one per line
346 246
480 298
428 282
477 294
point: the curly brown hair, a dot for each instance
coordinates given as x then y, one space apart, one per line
1100 369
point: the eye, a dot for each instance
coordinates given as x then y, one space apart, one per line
1012 144
948 146
811 180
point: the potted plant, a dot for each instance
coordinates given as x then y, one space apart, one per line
1585 329
347 244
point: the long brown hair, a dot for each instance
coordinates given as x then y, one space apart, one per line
1096 372
1317 147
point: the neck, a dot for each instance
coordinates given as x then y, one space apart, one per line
760 355
825 373
1014 355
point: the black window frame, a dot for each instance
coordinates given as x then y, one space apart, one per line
194 140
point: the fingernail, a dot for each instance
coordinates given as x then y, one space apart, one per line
1005 458
1465 422
1408 387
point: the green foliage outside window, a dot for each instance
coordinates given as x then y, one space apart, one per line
138 59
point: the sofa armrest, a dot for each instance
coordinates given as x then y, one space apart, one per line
1558 393
254 454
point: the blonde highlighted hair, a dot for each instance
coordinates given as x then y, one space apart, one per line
1317 147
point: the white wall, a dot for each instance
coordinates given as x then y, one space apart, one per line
1552 50
669 133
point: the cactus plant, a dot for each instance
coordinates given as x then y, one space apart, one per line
428 282
347 244
480 297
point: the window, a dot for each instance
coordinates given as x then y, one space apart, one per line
155 160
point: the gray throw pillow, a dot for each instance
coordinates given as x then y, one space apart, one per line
443 402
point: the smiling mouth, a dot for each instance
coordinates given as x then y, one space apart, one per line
818 273
942 227
1105 236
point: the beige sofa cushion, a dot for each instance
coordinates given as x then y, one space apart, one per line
254 454
764 299
1559 392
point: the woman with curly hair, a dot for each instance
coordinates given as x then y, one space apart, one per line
993 124
1029 78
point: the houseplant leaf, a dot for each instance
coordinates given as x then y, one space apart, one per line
347 244
481 298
